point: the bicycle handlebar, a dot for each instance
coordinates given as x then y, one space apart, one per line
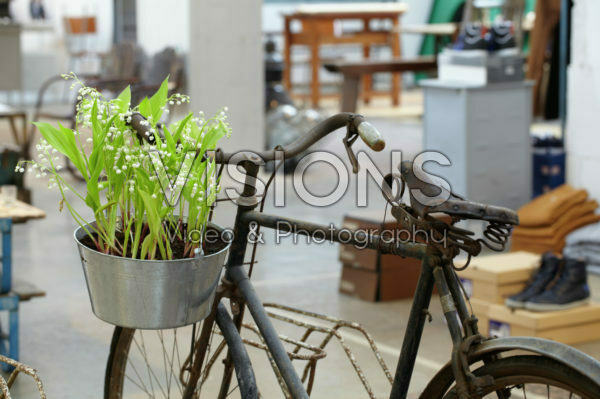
355 123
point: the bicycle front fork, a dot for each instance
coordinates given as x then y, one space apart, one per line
461 324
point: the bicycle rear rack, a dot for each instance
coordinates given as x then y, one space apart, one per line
18 368
300 350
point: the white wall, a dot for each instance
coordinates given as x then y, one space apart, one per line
163 23
56 10
583 123
225 66
44 50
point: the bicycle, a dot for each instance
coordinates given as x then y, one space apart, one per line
479 366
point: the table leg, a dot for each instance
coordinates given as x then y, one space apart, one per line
6 230
367 78
350 93
287 56
26 142
13 332
314 61
397 53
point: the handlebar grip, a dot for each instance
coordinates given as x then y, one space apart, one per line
371 136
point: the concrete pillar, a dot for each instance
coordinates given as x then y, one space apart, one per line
583 106
225 66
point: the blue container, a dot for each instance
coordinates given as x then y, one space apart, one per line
548 165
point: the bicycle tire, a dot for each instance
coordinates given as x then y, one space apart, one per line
516 372
121 344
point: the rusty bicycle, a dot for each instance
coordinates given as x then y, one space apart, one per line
179 362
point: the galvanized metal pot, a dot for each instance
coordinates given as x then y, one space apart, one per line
150 294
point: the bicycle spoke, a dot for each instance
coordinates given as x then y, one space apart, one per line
170 375
177 347
129 362
205 369
151 373
143 388
179 383
230 392
160 337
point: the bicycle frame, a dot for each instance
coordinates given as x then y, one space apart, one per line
468 345
238 288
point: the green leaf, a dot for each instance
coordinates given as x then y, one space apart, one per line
145 107
159 100
153 218
212 136
181 125
63 140
146 246
124 99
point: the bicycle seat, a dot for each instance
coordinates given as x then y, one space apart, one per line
435 198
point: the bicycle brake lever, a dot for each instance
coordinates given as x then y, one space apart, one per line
348 141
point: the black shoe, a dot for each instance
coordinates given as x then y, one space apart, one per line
545 275
471 39
501 37
570 290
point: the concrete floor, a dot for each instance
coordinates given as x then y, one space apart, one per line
69 346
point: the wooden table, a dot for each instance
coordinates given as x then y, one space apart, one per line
353 71
21 212
13 293
318 29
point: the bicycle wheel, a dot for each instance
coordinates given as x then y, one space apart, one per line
523 377
156 363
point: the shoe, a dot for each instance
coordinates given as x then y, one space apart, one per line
569 291
472 38
545 275
501 37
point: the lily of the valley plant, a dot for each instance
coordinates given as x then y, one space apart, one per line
124 187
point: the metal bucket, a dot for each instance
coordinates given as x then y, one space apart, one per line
150 294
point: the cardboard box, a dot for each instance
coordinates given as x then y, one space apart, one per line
493 278
370 221
371 276
387 285
572 326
